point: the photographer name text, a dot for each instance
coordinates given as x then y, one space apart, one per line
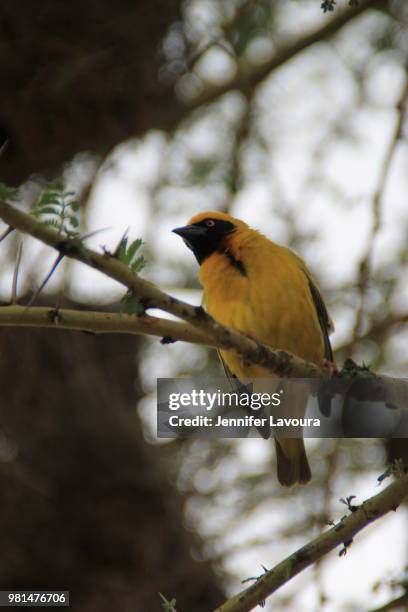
246 421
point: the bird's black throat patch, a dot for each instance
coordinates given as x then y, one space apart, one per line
236 263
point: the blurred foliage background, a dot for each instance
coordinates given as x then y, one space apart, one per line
290 114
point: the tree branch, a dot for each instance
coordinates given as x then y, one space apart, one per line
376 333
247 78
342 533
101 323
279 362
366 261
363 384
395 604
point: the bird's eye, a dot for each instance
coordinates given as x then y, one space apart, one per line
210 223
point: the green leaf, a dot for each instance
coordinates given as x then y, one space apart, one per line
122 255
134 247
131 304
74 221
138 264
75 205
47 210
8 194
327 5
49 197
127 255
52 222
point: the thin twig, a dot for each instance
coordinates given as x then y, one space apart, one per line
241 134
343 532
247 78
6 233
366 262
376 333
395 604
222 40
195 56
46 279
15 273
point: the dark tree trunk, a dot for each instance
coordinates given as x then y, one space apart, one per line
85 505
79 76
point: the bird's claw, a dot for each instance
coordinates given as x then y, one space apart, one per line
329 368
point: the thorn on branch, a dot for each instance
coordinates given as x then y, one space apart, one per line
55 316
6 233
91 234
347 502
122 243
46 279
346 546
385 474
398 468
167 340
256 579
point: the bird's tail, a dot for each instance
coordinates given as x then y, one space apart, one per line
291 460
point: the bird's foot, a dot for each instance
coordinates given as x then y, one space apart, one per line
329 368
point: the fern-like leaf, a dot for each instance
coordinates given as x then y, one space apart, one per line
128 255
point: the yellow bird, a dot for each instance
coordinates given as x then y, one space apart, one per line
265 291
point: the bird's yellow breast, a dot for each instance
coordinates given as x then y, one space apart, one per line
261 289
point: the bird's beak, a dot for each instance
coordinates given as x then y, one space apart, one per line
190 232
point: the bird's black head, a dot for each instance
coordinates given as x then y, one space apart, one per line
205 236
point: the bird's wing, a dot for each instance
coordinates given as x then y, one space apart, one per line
231 377
238 387
326 324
